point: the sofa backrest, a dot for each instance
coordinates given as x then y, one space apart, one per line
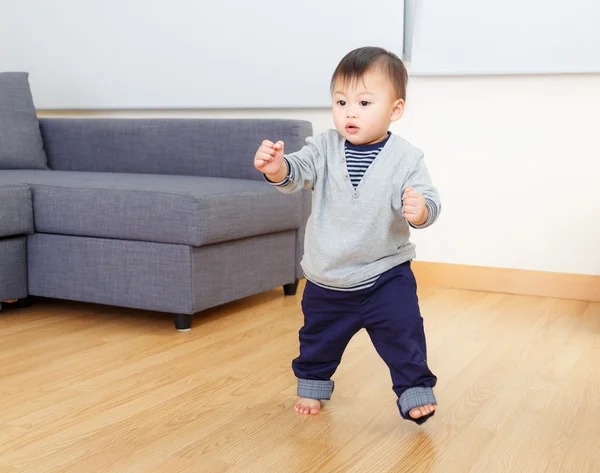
198 147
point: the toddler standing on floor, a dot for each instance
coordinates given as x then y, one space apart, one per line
369 187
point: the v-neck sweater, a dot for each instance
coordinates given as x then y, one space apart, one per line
354 234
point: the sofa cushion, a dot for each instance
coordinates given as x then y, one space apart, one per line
16 211
174 146
166 209
21 144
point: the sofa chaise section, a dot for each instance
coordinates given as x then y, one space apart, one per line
161 214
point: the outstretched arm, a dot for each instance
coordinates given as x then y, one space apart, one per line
291 172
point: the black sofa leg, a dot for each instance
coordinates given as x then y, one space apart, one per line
24 303
290 289
183 322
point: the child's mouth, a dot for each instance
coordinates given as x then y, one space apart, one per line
352 129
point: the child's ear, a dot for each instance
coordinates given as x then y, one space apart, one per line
397 110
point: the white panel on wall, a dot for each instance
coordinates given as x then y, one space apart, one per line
128 54
505 37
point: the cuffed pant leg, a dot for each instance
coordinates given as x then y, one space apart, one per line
394 323
315 388
415 397
331 318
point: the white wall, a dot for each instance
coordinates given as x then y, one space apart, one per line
505 37
187 53
516 160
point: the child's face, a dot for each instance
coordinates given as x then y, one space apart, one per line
364 109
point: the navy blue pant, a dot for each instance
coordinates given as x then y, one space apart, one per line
389 311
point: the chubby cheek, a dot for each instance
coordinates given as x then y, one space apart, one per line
338 121
377 123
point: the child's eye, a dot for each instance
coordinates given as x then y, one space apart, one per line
341 102
364 103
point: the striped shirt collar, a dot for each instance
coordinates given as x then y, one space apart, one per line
371 147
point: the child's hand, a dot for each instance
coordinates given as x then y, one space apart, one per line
415 210
269 157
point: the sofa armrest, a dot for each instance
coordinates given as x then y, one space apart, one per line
198 147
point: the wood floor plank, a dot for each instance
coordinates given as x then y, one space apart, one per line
92 388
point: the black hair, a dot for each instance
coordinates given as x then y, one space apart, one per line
357 62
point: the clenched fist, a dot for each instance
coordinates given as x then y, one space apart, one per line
415 210
269 160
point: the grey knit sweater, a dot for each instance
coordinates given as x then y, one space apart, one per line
353 235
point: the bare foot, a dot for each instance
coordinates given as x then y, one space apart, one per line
308 406
422 411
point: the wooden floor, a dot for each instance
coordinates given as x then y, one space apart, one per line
94 389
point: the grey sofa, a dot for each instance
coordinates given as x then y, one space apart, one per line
166 215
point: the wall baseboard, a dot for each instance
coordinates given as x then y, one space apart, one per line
511 281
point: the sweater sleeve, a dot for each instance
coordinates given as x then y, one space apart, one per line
419 179
302 168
